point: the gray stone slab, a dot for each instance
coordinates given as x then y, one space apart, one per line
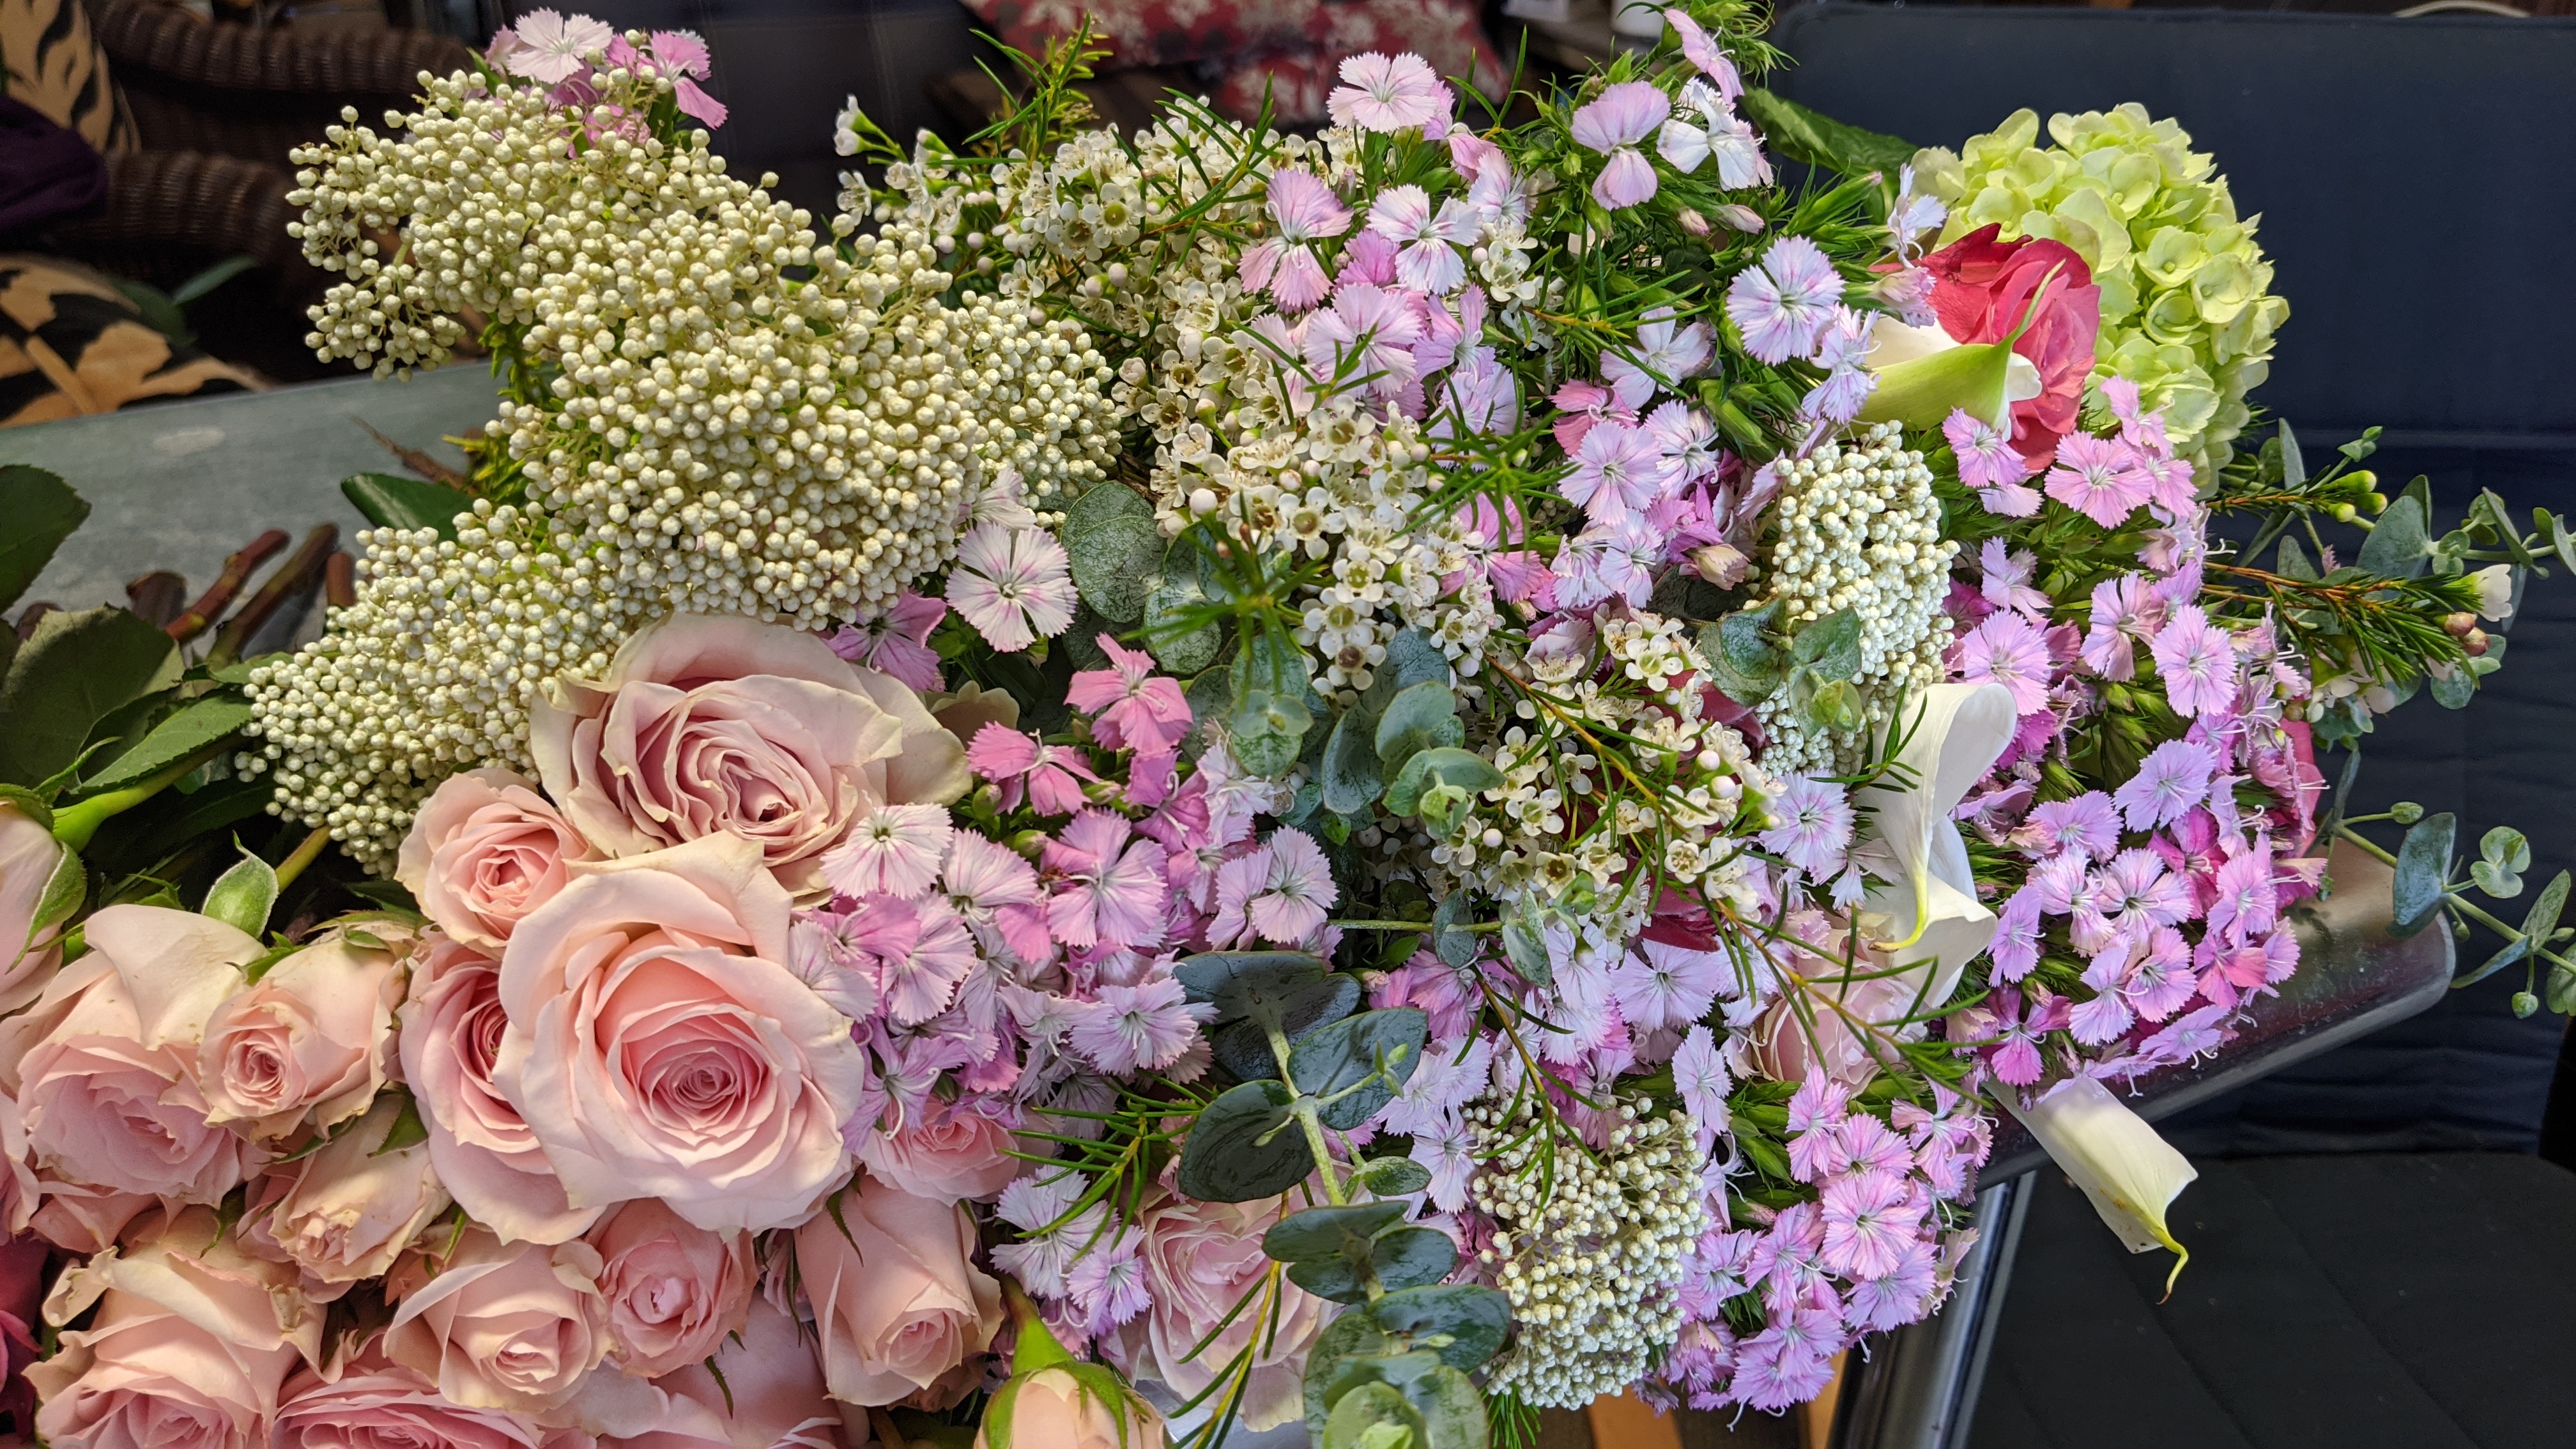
179 485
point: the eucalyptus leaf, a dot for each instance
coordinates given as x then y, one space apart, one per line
1179 646
2453 688
2292 561
2423 871
2294 468
2398 544
1115 564
1374 1052
1347 1341
71 673
1375 1415
1411 659
1267 733
1829 648
243 896
1390 1176
1525 944
390 500
1440 765
1352 780
2536 926
1245 1146
1457 947
1418 718
1464 1323
2562 990
37 512
1331 1232
1398 1257
1103 503
1830 706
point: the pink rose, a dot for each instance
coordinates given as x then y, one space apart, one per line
103 1064
22 1290
897 1297
1982 289
28 856
948 1153
485 850
498 1325
1788 1049
344 1213
766 1393
379 1404
192 1342
482 1148
707 726
1201 1258
1051 1409
657 1048
674 1291
315 1035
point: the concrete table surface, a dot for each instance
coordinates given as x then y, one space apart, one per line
179 485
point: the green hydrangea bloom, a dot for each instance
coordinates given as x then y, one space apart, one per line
2187 310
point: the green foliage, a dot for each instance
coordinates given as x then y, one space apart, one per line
1117 551
390 500
1355 1065
37 512
71 674
243 896
1244 1146
2423 872
1810 136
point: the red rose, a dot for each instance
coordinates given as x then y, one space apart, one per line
1982 289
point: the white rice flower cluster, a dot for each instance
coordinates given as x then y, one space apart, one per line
1858 527
717 437
430 671
1592 1261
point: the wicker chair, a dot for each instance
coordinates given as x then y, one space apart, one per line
216 109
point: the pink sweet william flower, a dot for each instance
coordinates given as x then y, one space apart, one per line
1132 707
1814 825
1146 1027
1303 210
1785 302
1869 1219
1703 52
1388 93
2173 778
996 892
1013 585
1294 891
1110 891
2197 662
2099 478
1049 777
1618 471
1989 463
1612 124
2126 611
2009 650
550 48
893 850
1430 261
1666 355
897 642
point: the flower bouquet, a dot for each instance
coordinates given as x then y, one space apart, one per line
1162 784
